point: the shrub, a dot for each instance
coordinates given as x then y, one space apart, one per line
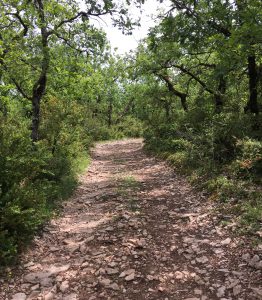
249 160
34 177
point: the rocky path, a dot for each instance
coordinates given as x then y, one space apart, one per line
135 230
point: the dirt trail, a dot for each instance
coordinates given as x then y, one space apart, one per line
136 230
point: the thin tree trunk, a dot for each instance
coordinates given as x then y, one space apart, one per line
35 117
219 101
167 109
171 88
40 85
109 113
183 101
252 104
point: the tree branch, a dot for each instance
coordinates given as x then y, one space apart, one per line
202 83
20 89
75 17
172 89
21 21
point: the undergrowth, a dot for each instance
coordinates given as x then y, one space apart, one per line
226 164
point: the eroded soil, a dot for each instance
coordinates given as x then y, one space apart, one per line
136 230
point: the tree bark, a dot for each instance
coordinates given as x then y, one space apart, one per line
168 110
109 113
219 101
40 85
171 88
252 104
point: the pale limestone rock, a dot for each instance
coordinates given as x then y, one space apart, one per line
130 277
64 286
19 296
237 290
226 242
221 291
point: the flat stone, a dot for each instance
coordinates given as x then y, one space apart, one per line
64 286
112 271
246 257
130 277
179 275
114 286
89 239
72 248
162 226
46 282
127 272
70 297
54 269
233 283
202 259
25 286
113 264
82 248
221 291
105 282
36 277
223 270
29 264
226 241
19 296
34 295
197 292
254 261
237 273
237 290
150 277
258 265
35 287
49 296
109 228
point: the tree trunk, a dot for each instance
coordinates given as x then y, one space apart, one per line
219 102
167 109
35 118
252 104
184 102
109 113
171 88
38 93
40 85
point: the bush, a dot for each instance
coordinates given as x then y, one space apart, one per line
22 195
221 152
129 127
34 177
249 160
